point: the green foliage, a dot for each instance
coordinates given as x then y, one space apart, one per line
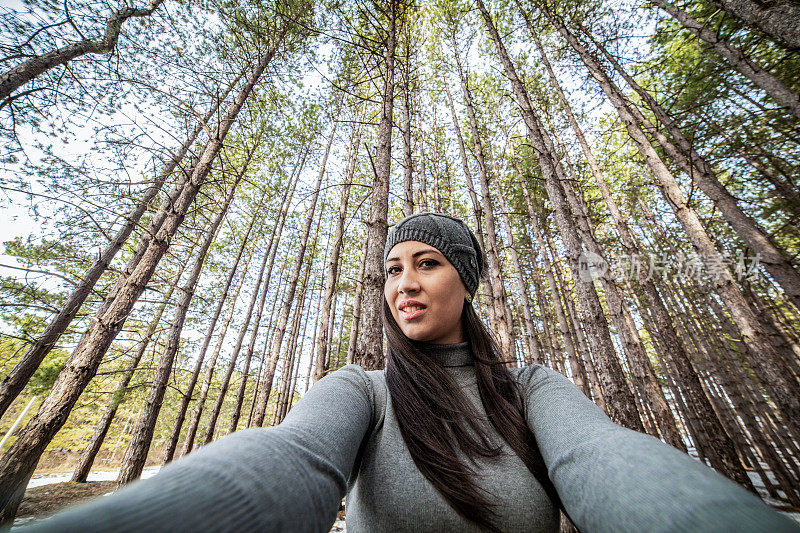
44 377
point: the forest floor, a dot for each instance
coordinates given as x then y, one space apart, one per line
47 499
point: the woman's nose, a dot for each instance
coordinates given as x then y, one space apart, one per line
408 282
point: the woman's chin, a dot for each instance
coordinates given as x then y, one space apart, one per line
418 336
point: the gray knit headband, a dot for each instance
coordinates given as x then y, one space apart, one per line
447 234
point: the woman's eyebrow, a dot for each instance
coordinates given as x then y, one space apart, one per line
417 254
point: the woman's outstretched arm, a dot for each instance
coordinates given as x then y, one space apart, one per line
614 479
288 478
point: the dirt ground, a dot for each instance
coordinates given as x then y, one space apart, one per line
47 499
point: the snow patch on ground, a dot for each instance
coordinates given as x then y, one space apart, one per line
37 480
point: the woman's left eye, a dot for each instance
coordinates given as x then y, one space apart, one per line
428 263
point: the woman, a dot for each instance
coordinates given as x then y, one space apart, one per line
446 439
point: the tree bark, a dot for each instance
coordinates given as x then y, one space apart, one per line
765 361
180 417
503 328
332 275
780 19
291 288
408 162
90 452
136 454
619 399
18 463
369 348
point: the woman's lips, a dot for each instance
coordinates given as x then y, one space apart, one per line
410 315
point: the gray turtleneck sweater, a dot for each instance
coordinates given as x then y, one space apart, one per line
342 437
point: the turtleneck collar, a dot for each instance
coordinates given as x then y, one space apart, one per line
449 355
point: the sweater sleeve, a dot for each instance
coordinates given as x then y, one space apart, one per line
613 479
291 477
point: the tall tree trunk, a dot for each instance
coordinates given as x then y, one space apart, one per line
369 347
194 421
693 164
332 274
331 327
780 19
408 162
422 178
477 209
180 417
16 380
267 370
751 333
358 300
282 407
90 452
437 195
774 87
18 463
504 330
619 399
291 288
338 343
722 453
574 358
38 65
136 454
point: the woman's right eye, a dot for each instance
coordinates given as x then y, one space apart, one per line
392 270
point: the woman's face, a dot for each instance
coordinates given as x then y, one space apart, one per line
425 293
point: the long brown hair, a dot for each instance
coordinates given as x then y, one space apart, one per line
437 421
